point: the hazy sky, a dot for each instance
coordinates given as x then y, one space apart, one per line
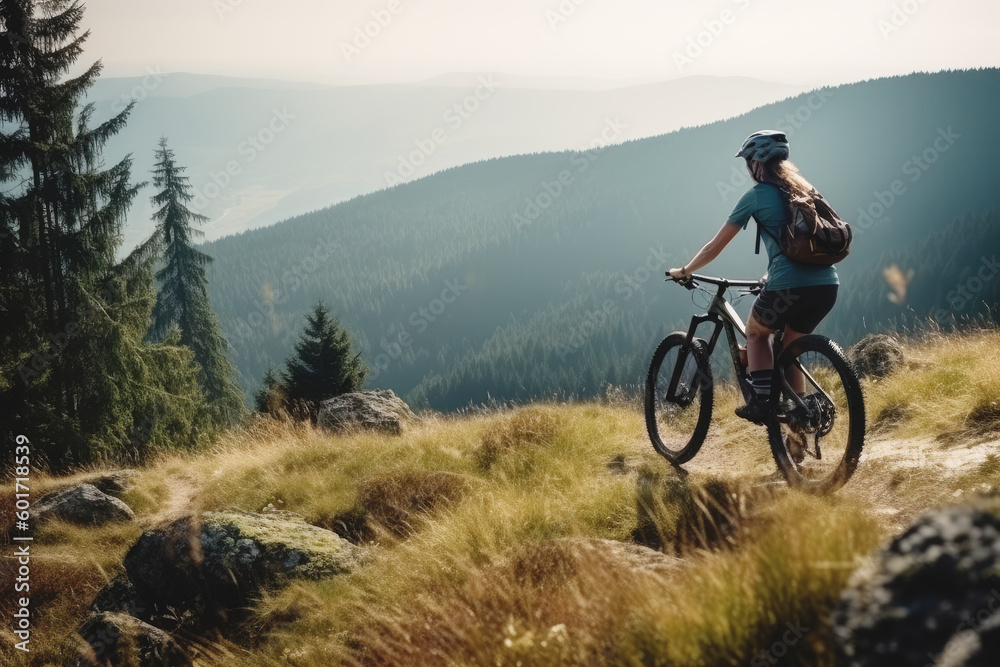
795 41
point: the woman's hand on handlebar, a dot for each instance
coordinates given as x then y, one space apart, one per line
679 274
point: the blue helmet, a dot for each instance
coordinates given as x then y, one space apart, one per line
765 146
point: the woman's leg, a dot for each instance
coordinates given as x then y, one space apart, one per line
759 363
759 354
795 377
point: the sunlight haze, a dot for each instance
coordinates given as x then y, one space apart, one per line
626 40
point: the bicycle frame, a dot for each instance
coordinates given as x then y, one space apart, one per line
725 318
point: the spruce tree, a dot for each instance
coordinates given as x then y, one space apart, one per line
183 298
324 365
76 372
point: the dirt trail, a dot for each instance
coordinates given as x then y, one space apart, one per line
928 455
182 499
887 463
947 460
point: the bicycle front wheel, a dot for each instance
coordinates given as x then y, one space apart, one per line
678 398
817 443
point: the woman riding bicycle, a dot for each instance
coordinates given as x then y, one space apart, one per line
796 297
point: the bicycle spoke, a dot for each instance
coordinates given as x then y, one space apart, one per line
678 398
823 435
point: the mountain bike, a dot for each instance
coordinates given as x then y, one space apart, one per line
815 412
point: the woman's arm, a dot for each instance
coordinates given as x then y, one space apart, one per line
708 253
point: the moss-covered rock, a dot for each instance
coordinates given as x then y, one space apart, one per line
207 566
276 546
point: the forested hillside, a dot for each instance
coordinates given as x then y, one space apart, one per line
533 274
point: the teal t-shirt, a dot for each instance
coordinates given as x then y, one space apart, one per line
764 203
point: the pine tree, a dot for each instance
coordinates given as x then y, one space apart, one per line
183 299
324 364
76 370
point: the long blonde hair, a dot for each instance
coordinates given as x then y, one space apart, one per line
785 175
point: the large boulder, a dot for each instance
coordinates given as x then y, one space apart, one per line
937 583
876 355
84 504
207 566
120 639
370 410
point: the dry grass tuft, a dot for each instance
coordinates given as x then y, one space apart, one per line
948 389
523 429
553 603
69 565
397 503
678 515
985 417
549 603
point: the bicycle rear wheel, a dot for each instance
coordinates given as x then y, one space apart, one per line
818 443
678 398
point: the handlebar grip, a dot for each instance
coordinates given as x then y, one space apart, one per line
688 282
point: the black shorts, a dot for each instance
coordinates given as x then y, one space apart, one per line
798 308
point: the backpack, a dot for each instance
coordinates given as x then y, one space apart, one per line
814 234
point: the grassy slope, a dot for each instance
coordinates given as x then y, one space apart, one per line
462 512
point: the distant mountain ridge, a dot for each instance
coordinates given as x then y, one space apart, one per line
345 141
542 244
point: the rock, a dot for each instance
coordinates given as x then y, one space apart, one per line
936 581
83 504
210 565
120 597
120 639
370 410
553 562
635 556
113 482
876 355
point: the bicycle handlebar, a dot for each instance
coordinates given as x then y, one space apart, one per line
691 282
